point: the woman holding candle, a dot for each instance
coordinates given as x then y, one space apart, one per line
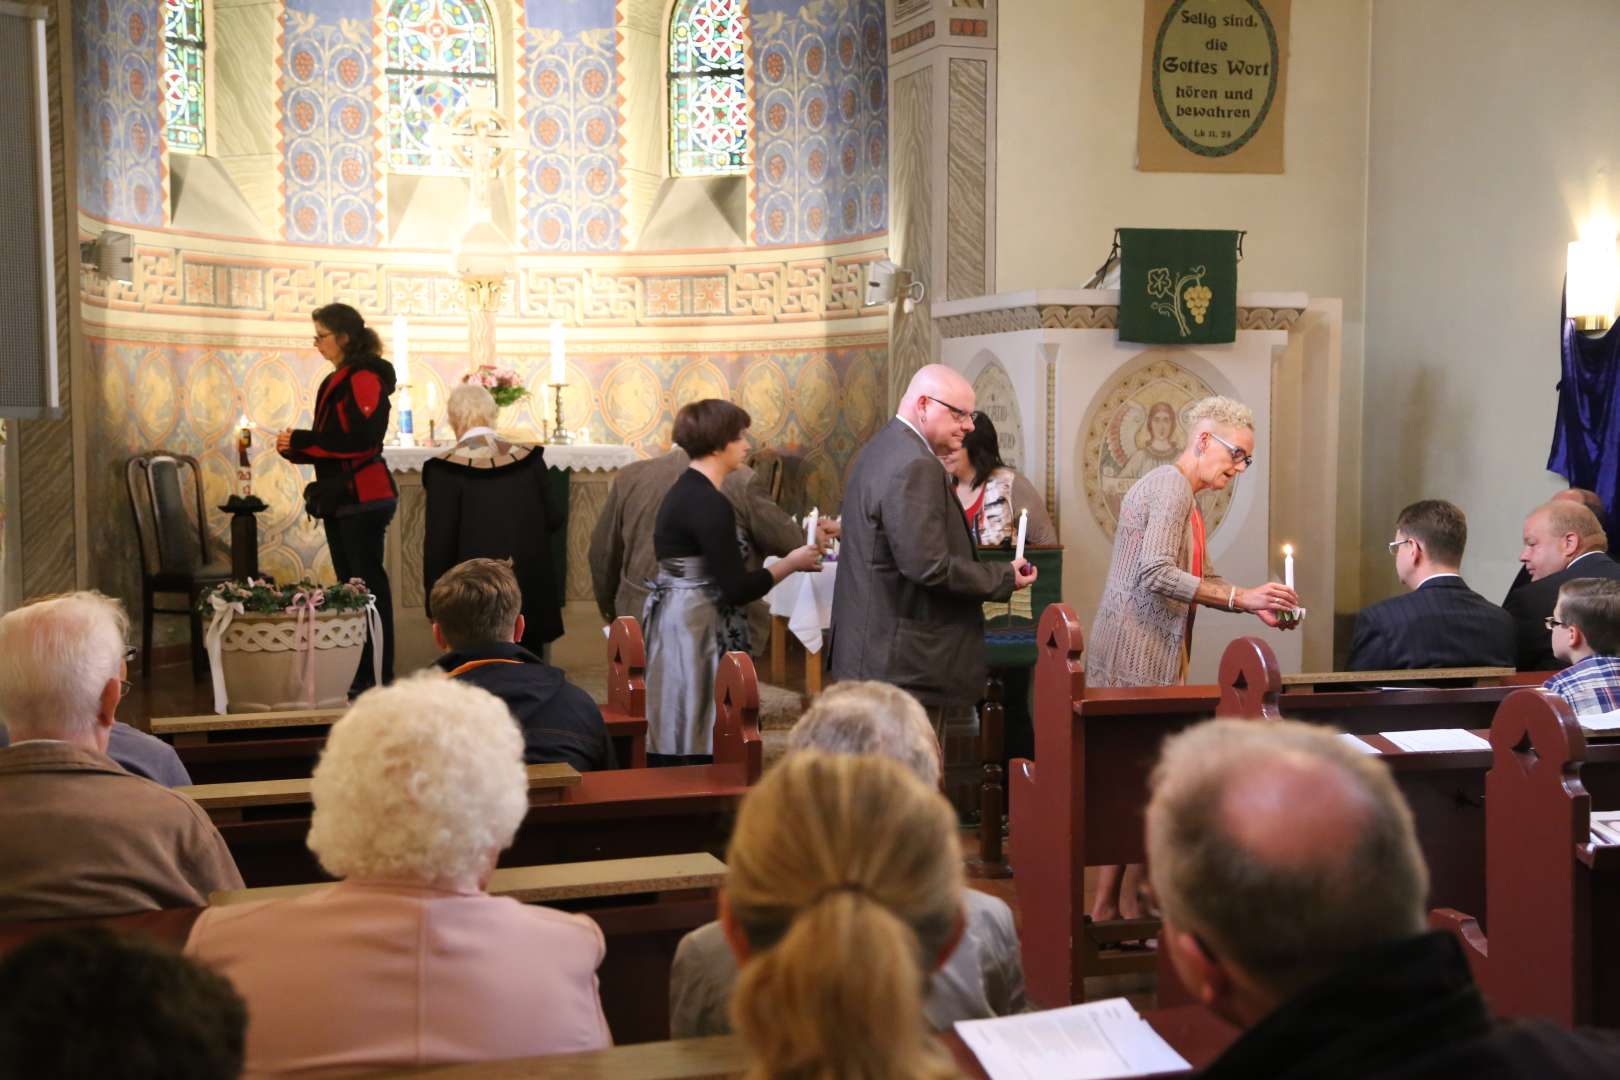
353 493
1159 572
992 495
695 609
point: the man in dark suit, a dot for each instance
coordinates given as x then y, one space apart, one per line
1441 622
1587 498
1562 541
908 606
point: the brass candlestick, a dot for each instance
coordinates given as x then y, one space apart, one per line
560 436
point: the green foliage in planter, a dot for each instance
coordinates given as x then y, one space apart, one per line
260 597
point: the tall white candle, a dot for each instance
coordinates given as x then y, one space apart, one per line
433 398
810 525
402 351
1023 528
1288 565
559 368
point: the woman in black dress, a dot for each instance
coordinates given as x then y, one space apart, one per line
695 610
353 493
491 499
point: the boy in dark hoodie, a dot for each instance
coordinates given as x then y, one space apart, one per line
477 620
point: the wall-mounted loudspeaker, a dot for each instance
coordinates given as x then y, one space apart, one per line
28 386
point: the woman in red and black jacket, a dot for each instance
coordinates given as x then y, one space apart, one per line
353 493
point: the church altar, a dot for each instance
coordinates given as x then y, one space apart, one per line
1083 415
585 470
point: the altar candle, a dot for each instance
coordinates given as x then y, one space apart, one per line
810 525
433 399
559 370
402 351
1288 565
244 439
1023 527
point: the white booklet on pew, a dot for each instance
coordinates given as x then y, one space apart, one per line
1081 1042
1359 745
1431 739
1607 723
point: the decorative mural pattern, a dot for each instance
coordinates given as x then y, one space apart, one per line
330 116
821 120
186 397
572 110
710 114
117 60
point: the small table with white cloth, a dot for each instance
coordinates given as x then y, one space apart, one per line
801 603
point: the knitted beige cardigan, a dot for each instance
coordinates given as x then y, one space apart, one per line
1138 638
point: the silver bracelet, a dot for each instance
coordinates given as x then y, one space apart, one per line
1230 597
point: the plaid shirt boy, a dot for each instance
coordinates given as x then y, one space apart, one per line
1591 686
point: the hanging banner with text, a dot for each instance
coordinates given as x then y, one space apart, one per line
1214 79
1178 286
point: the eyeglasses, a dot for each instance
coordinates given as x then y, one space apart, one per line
1395 545
1237 454
124 687
1552 623
323 336
962 415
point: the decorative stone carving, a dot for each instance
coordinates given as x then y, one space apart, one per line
1086 317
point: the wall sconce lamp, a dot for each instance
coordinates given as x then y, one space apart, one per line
1592 280
886 282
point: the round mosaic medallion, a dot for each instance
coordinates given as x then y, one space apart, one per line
815 397
763 392
630 400
697 381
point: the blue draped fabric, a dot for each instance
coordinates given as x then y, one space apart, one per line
1586 436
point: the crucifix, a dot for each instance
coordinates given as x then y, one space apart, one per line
482 142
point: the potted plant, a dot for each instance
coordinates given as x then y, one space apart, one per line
291 646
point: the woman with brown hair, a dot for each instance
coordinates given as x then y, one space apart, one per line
843 893
353 492
695 609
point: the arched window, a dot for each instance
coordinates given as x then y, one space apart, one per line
708 91
183 83
439 58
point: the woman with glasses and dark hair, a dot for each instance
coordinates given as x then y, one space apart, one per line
1159 572
992 494
695 610
353 492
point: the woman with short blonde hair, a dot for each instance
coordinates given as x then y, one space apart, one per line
843 893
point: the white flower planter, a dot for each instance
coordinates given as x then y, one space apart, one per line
267 665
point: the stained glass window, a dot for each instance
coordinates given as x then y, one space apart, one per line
708 89
183 47
440 59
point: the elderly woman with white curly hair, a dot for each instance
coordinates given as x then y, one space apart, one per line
407 961
1160 571
492 499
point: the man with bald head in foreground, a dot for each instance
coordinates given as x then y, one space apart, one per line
908 605
1563 540
1293 890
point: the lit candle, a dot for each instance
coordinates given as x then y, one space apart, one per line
559 370
244 439
433 398
1023 527
810 525
1288 565
402 351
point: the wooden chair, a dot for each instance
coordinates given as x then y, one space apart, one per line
175 556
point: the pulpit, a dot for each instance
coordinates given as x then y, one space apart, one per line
1083 415
584 471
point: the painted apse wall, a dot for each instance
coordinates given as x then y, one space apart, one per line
217 320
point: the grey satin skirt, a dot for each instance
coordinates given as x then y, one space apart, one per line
686 626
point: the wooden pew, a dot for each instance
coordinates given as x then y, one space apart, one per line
227 802
1552 890
272 745
644 907
616 813
1082 805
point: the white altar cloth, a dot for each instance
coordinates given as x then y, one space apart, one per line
573 457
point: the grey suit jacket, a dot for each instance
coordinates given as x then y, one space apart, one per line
622 557
908 607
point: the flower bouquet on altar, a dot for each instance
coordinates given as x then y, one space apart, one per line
291 646
503 384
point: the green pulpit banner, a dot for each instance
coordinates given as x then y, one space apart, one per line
1009 626
1178 286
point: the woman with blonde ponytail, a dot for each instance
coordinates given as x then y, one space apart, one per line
843 893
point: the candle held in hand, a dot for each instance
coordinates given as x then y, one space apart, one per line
1023 528
810 525
1288 565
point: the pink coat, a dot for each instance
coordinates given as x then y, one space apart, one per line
374 974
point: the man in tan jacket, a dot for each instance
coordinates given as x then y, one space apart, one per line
79 836
622 557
